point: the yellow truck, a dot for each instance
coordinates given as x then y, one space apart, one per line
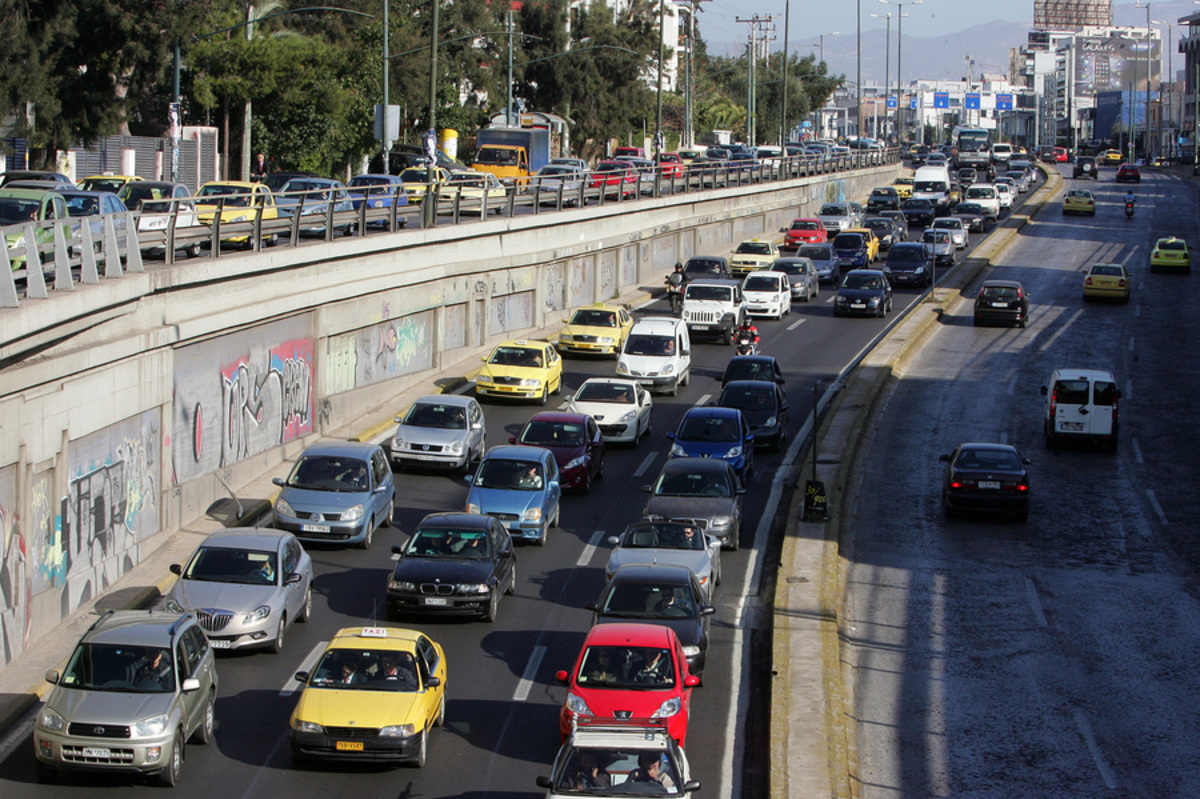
511 154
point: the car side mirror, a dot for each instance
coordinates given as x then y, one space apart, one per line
294 577
469 478
433 682
544 782
613 539
512 439
191 684
176 568
483 359
561 675
646 489
51 676
944 457
1046 391
397 549
691 786
707 610
277 481
671 436
396 419
691 681
1026 461
593 606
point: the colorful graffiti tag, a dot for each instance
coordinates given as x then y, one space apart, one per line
15 589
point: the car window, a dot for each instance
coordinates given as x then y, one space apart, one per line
1104 393
693 484
541 433
1071 392
329 473
436 415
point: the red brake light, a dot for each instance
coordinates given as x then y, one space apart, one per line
1053 402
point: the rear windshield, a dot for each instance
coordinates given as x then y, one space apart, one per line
1075 392
848 241
1000 293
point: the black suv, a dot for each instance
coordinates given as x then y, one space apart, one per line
1085 167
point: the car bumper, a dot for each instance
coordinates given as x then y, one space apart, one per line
584 348
144 756
767 309
1180 266
428 459
1009 316
909 278
863 309
987 501
447 605
325 532
226 630
355 747
575 477
1101 293
513 392
619 433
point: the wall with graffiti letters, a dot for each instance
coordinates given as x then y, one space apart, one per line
241 394
14 584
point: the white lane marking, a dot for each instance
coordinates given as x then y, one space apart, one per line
1089 738
1128 390
291 685
1003 436
1137 309
703 400
797 323
1131 343
1137 450
562 406
590 548
1157 507
525 685
390 432
1012 385
1034 602
645 464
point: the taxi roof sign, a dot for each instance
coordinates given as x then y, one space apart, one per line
374 632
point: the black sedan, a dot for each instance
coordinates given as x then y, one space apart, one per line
764 406
919 212
752 367
661 593
986 477
453 563
909 264
1003 301
864 292
973 215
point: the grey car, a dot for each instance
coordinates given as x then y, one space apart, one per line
956 227
139 686
338 492
554 180
705 491
823 258
245 587
802 276
662 541
442 430
837 217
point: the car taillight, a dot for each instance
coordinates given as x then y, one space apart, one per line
1053 402
1121 283
956 484
1088 281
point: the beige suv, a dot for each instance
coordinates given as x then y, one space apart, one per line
138 686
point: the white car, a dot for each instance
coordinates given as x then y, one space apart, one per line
955 227
1005 194
768 294
985 194
621 408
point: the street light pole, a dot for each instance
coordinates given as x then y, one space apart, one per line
887 66
658 134
900 15
783 75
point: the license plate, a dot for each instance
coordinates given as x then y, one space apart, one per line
219 644
315 528
1073 427
435 601
993 485
858 305
702 327
349 746
97 752
999 304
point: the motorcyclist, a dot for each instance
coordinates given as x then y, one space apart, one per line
1130 202
675 285
748 332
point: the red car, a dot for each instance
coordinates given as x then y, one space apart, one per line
636 152
671 165
617 177
630 670
1128 173
1060 155
575 441
804 231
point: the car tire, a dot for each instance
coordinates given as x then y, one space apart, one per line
280 636
492 611
306 608
193 251
512 581
422 750
545 395
169 776
727 336
1021 321
1022 515
586 488
204 733
440 719
366 541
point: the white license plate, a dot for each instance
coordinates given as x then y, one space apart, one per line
219 644
992 485
435 601
702 327
97 752
999 304
1073 427
858 305
315 528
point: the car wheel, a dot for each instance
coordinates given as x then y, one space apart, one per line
193 251
600 471
1021 321
422 753
686 379
732 546
204 733
558 386
45 772
277 644
366 542
493 607
545 395
727 336
1022 515
306 608
440 718
512 581
169 776
586 488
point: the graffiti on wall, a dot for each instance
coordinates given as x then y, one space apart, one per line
15 588
629 266
512 312
554 289
395 348
454 326
579 284
608 281
239 395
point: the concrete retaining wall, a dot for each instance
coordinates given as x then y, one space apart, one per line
143 391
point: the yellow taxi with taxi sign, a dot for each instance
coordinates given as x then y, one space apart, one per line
374 695
1079 201
1171 253
1107 282
521 369
597 329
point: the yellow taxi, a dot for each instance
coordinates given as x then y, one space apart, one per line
469 188
374 695
1079 201
416 181
520 368
872 241
113 183
1111 157
903 186
753 255
1171 253
1107 282
237 201
596 330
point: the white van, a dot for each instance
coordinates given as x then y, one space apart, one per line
1001 152
984 194
1081 404
933 183
657 354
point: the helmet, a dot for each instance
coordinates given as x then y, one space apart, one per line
678 266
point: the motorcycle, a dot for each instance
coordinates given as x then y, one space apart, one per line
675 293
1128 209
744 344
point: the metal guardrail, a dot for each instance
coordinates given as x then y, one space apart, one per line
67 261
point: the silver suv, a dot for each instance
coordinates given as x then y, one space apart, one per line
138 686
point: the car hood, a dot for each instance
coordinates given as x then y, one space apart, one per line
689 507
305 500
860 294
236 597
706 449
430 435
638 703
603 411
647 364
442 570
359 707
505 500
762 296
697 561
109 707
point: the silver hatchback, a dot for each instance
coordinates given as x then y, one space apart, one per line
440 430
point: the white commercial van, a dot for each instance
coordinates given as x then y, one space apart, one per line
1081 404
1001 153
933 183
657 354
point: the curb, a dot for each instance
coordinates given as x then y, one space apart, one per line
449 385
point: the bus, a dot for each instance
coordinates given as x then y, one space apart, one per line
973 146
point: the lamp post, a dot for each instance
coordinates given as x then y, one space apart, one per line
1149 47
900 15
887 64
658 134
783 75
858 124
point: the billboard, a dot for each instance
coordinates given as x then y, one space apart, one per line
1113 63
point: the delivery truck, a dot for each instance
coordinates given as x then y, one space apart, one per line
511 154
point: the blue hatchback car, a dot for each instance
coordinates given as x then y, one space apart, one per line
520 486
715 432
379 192
338 492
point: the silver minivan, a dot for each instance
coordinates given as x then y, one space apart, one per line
1081 404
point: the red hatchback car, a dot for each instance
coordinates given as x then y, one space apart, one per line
1128 173
804 231
575 441
630 670
617 177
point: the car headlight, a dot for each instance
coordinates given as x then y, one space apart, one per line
473 507
691 651
565 338
397 731
16 243
283 508
669 369
148 728
483 378
406 586
622 368
667 709
920 270
721 521
874 301
258 614
734 452
472 588
771 422
353 514
398 443
530 382
455 448
576 705
532 515
605 340
50 720
171 606
299 725
575 462
628 417
840 300
677 451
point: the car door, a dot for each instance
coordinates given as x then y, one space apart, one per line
383 487
553 487
477 435
502 549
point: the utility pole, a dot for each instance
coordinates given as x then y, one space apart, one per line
758 24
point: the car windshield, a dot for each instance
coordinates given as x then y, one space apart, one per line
14 211
510 475
497 156
226 565
753 369
761 283
848 241
329 473
988 459
753 248
816 252
444 542
375 187
233 195
625 666
547 171
539 433
366 670
708 429
693 484
969 208
805 224
791 267
594 318
862 282
1113 271
417 175
647 601
1082 194
748 398
644 344
82 205
702 266
517 356
981 192
948 224
833 210
133 193
617 393
102 184
935 237
916 253
121 669
663 535
436 415
607 771
708 293
1172 245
